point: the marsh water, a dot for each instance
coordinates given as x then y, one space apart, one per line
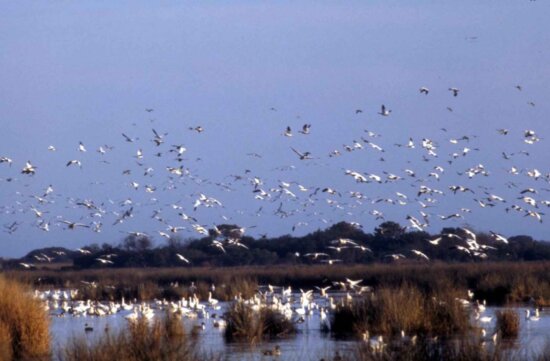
310 343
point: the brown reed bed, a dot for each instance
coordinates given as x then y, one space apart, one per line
160 340
507 325
24 332
390 311
454 350
498 282
247 325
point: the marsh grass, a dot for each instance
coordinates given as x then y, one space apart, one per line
449 350
24 332
247 325
388 311
507 325
161 340
498 282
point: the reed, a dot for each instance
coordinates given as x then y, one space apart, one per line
245 324
161 340
390 311
498 283
24 332
507 324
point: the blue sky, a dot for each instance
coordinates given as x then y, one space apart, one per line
85 71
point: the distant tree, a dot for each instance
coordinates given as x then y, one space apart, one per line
136 243
174 243
389 229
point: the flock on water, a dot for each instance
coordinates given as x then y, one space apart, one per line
298 306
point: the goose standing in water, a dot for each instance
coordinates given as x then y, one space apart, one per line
535 317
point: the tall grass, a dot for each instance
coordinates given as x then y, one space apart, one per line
498 283
248 325
428 349
507 324
161 340
24 332
389 311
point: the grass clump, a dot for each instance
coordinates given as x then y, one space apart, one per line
160 340
24 329
392 310
246 324
508 324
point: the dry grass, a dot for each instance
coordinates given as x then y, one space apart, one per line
455 350
247 325
498 283
161 340
24 332
388 311
507 324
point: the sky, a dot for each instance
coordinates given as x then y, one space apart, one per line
86 71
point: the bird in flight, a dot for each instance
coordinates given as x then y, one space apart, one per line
454 91
29 169
303 156
182 258
384 111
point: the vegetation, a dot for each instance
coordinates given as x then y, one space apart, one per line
161 340
430 350
390 311
388 238
508 324
246 324
24 332
498 282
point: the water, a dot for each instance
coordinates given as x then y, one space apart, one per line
308 344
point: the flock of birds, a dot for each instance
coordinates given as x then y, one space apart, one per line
153 193
298 306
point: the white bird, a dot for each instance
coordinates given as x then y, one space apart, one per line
104 261
395 257
343 241
353 283
74 225
182 258
384 111
528 316
331 261
436 241
302 156
498 237
454 91
420 254
316 255
305 129
74 162
29 168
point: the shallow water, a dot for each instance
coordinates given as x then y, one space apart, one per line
308 344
